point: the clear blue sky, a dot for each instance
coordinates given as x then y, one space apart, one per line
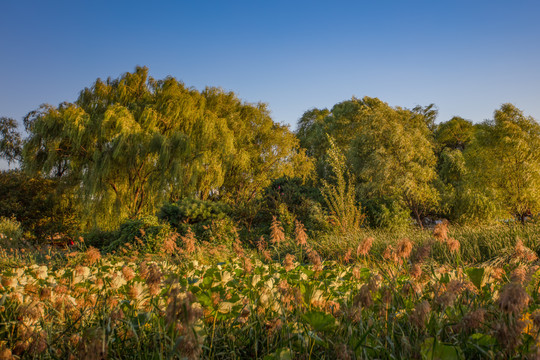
467 57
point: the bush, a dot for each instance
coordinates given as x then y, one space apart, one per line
37 205
289 199
208 219
11 232
387 213
146 233
100 238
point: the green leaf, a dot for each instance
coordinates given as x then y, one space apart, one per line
476 275
434 350
319 320
483 340
280 354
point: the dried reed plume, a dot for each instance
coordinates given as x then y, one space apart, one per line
440 232
420 314
300 234
404 249
314 258
513 298
169 245
364 246
473 319
523 253
189 241
288 263
453 244
92 255
277 234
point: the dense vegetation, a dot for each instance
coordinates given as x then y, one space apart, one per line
182 223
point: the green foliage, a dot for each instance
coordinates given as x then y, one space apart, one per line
340 195
38 204
208 219
455 134
393 156
291 199
11 232
505 153
390 150
10 140
129 144
387 213
146 233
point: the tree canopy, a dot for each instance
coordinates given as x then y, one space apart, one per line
130 143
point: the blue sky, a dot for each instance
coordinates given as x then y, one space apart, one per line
467 57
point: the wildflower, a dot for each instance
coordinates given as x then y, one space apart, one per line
182 307
135 291
513 298
277 234
300 233
404 249
364 247
288 263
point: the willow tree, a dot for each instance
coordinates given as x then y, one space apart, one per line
393 157
10 140
128 144
504 162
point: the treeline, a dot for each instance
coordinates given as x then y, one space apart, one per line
145 152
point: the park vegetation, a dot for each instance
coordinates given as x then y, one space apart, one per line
148 219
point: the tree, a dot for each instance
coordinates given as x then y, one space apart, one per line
456 133
128 144
505 161
390 151
10 140
393 157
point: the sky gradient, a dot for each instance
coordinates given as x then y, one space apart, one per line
466 57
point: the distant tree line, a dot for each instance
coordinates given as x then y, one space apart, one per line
129 146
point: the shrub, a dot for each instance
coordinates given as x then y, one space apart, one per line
11 232
208 219
37 205
385 213
289 199
146 233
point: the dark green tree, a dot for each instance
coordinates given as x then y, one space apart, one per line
10 140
